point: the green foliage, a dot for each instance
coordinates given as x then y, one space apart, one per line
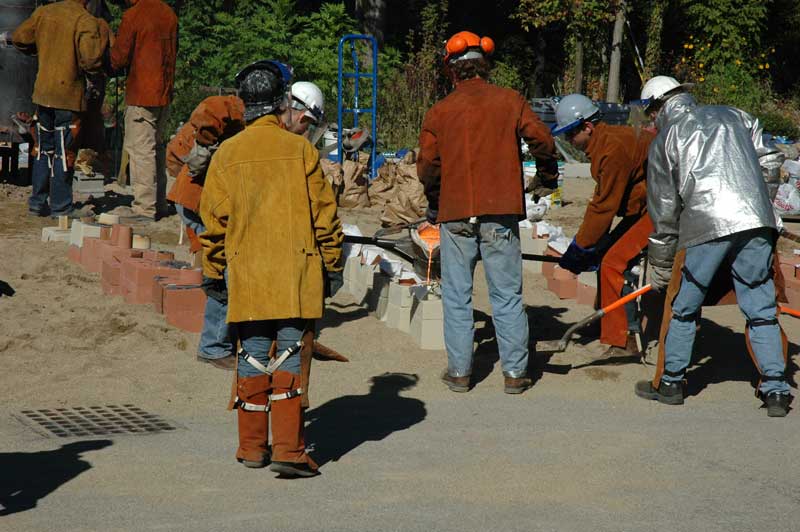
727 29
506 75
735 85
580 14
414 87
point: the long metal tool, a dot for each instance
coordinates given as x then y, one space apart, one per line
558 346
789 311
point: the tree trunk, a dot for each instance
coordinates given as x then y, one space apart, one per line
655 27
539 64
578 65
373 15
612 94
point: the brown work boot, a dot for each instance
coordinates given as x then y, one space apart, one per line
514 385
456 384
253 425
289 456
227 363
631 349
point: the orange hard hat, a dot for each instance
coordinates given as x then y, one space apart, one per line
461 43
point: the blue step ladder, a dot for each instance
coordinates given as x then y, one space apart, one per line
356 110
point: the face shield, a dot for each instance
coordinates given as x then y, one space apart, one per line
639 117
317 125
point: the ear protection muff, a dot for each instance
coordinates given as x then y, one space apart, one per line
462 41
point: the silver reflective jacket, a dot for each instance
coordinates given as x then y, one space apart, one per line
704 176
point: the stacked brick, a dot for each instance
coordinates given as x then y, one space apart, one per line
790 268
140 276
409 308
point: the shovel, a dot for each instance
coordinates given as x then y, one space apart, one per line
559 346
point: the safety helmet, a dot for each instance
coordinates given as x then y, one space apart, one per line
262 86
467 45
306 95
659 87
573 110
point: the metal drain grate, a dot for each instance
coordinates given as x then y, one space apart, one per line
96 421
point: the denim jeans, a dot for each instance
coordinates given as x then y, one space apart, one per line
257 337
495 239
748 254
48 175
216 340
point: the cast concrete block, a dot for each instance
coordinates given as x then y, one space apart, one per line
428 309
427 333
400 295
535 246
81 230
362 282
54 234
398 317
577 170
529 243
588 278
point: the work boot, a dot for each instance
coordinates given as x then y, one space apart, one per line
631 349
514 385
227 363
289 457
253 425
777 404
669 393
456 384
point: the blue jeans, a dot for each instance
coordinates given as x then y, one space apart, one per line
215 340
748 254
495 239
257 337
48 176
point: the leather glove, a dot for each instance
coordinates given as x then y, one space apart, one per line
659 277
333 282
216 289
577 259
431 215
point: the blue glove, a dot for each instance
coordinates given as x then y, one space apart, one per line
578 259
431 215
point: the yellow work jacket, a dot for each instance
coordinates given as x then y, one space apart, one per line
69 43
271 221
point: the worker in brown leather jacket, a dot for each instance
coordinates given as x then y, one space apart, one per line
470 164
619 164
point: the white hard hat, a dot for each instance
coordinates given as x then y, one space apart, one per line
572 111
659 86
306 95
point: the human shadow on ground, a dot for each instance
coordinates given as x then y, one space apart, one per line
109 201
342 424
543 323
337 314
6 289
720 355
26 478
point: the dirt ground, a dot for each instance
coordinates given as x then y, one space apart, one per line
574 451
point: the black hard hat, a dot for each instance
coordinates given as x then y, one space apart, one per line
262 86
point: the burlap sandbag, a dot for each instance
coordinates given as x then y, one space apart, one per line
355 186
381 189
333 173
408 203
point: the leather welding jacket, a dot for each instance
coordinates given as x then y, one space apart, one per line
619 167
69 44
147 44
469 159
214 120
704 177
271 221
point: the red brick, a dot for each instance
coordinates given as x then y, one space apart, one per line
111 272
548 268
586 295
154 255
111 289
787 269
137 278
561 274
728 299
90 257
122 255
105 232
74 254
122 236
563 288
184 307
